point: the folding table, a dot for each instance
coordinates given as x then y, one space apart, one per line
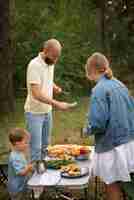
3 173
52 178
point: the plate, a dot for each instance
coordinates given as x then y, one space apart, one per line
82 157
84 171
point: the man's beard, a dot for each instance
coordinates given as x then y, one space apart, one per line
48 61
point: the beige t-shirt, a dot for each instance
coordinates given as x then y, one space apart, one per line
38 72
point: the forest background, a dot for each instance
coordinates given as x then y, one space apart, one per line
82 27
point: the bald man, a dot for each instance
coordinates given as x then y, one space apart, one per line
39 101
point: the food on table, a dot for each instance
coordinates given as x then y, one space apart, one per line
65 157
54 151
84 150
84 153
75 151
56 164
71 169
68 149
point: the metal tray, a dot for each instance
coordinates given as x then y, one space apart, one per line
84 171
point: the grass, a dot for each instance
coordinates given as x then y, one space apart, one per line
66 125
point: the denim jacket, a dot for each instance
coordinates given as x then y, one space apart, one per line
111 114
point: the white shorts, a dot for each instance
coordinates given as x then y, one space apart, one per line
115 165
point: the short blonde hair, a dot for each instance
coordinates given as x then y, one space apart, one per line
98 59
99 62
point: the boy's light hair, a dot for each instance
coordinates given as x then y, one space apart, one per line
17 135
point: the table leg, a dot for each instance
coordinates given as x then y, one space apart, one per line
3 176
32 195
62 195
96 185
65 197
86 193
36 193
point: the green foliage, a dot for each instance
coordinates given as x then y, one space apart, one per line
71 22
75 24
118 19
116 26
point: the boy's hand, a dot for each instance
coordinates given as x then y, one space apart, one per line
27 170
30 167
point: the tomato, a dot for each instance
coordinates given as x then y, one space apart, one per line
83 151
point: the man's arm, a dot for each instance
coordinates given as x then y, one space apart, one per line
42 97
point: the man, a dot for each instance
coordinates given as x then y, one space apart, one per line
39 101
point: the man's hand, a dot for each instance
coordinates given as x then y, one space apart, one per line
63 105
57 89
42 97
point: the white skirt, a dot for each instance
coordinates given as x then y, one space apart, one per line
114 165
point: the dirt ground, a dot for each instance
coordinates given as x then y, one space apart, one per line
95 193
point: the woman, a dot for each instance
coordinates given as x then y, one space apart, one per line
111 120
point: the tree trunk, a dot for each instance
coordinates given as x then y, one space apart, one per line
103 27
6 59
101 23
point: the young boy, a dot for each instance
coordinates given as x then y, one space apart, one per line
18 167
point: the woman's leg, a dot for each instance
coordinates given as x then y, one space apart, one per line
113 191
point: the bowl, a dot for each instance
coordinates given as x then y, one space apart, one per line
82 157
